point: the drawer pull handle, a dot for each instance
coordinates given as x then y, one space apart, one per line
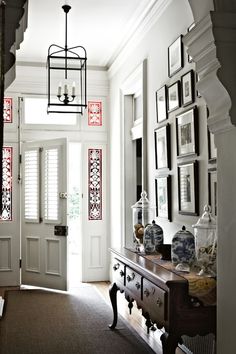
116 266
138 286
122 273
129 278
159 302
146 292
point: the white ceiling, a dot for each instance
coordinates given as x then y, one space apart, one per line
101 26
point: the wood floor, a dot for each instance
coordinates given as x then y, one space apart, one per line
135 320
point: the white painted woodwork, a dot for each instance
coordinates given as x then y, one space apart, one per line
10 232
44 255
94 232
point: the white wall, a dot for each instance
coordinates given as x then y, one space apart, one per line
154 46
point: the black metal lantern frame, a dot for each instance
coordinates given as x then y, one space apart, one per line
67 76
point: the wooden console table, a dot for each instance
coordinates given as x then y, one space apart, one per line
163 297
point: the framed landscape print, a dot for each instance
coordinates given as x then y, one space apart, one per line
188 188
163 197
187 134
162 148
187 88
161 104
175 56
212 190
174 96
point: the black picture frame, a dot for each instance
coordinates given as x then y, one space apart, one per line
187 132
175 56
212 152
174 96
188 188
187 88
161 104
212 191
162 147
163 197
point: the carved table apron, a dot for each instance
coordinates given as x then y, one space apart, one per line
163 297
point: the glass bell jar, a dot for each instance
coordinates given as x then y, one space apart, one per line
205 243
142 214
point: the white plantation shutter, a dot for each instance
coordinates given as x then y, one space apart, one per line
51 184
31 182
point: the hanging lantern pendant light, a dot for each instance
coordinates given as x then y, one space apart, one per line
68 67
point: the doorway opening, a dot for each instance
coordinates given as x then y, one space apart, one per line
138 168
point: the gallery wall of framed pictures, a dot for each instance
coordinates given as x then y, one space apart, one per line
179 115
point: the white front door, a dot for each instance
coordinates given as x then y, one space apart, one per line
9 220
44 214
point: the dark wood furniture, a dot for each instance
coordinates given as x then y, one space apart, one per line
163 297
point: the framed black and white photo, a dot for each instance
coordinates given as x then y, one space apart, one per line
175 56
162 148
212 152
212 190
174 96
187 88
188 188
161 104
163 197
187 132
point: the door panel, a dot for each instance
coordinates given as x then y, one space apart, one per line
9 222
44 191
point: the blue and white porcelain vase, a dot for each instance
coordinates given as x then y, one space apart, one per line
153 237
183 250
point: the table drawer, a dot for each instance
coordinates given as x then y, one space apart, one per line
154 301
133 282
118 272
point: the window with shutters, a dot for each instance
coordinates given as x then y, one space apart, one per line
51 182
31 181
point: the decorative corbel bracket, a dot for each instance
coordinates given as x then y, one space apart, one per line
212 44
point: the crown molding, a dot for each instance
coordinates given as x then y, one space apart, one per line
142 26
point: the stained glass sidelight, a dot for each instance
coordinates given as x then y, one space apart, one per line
7 111
95 184
7 185
94 113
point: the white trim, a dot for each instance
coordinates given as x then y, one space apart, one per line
142 26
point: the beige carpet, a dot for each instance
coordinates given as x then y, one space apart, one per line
40 322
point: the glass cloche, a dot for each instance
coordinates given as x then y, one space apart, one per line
142 215
205 243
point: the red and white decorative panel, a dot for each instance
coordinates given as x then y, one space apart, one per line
95 184
94 113
7 110
7 184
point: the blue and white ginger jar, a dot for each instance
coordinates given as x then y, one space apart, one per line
153 237
183 247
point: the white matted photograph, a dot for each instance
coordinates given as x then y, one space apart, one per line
188 188
187 86
174 96
161 104
187 134
163 195
175 56
162 148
